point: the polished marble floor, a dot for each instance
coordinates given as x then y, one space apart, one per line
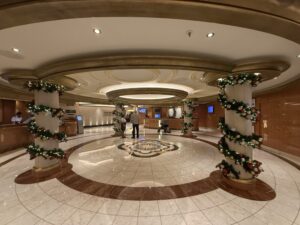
52 202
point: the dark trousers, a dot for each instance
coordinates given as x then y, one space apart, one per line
135 127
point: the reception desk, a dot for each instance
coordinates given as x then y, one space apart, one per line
175 124
17 136
14 136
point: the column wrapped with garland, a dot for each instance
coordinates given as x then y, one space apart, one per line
45 125
238 138
188 109
118 114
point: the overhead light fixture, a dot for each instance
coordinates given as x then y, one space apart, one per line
97 31
78 84
210 35
257 74
16 50
298 56
189 33
275 78
220 79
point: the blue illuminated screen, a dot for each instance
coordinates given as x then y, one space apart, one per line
79 118
210 109
157 115
142 110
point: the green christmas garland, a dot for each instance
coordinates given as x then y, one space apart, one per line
35 151
45 134
40 85
239 79
186 127
230 133
118 115
251 166
227 169
244 110
36 109
239 107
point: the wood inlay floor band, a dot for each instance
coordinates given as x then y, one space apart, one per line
68 177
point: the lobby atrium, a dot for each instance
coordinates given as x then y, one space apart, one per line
149 112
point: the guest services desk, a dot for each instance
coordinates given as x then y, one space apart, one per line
14 136
17 136
175 124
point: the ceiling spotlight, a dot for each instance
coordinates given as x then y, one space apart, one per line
189 33
275 78
97 31
210 35
298 56
78 84
16 50
257 74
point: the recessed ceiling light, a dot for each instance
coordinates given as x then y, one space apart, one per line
298 56
275 78
16 50
257 73
97 31
210 35
78 84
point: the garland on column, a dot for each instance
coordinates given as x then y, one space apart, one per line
244 110
187 125
118 113
33 149
44 86
44 134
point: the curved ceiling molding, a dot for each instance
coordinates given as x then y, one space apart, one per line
253 14
130 61
267 69
117 96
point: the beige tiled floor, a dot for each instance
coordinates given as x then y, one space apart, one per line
51 202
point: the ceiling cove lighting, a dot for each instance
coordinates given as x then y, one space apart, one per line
97 31
210 35
16 50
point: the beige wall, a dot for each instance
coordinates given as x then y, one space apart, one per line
95 115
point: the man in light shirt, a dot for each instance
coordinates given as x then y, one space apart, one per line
134 119
16 119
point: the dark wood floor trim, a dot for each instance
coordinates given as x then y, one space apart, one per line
68 177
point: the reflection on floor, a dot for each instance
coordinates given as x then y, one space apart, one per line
52 202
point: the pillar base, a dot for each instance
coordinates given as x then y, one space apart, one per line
254 189
36 175
188 135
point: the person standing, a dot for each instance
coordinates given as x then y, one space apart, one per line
134 119
17 119
123 127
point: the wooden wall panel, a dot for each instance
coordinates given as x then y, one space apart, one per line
279 121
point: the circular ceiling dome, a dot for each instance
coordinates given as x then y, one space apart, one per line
133 75
147 96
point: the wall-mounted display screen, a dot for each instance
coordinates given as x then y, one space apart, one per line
142 110
157 115
79 118
210 109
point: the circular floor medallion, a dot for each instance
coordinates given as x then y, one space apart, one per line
147 148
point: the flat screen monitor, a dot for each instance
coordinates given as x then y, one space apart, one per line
210 109
143 110
79 118
157 115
